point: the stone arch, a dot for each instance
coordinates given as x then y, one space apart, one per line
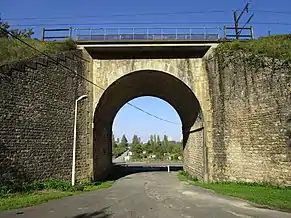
132 85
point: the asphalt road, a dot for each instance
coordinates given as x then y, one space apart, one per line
148 195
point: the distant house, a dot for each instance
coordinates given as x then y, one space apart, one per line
126 158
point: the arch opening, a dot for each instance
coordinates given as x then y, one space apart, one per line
154 133
133 85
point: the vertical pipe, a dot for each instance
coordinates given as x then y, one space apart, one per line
75 138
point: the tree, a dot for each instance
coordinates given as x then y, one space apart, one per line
123 141
165 140
114 144
158 141
4 26
135 140
26 33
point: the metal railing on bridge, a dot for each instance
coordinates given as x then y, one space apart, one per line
120 34
114 34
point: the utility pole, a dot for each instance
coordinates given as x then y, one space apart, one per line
236 20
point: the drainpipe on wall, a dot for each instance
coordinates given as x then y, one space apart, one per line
75 138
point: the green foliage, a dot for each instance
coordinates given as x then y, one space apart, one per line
27 33
17 195
124 141
160 149
261 193
119 148
272 46
13 50
23 187
114 143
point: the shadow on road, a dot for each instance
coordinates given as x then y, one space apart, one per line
120 170
97 214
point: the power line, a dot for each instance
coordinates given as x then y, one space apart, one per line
273 12
76 73
118 23
139 14
118 15
142 23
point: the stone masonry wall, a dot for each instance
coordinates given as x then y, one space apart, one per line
193 151
37 100
251 98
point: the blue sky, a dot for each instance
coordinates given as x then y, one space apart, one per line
129 120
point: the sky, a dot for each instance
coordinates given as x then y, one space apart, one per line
149 13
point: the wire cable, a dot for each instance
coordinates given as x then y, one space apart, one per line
118 15
142 23
76 73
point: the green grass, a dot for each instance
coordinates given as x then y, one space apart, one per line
278 46
13 50
25 195
263 194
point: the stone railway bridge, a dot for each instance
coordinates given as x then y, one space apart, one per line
235 119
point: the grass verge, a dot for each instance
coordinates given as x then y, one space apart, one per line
263 194
278 46
25 195
14 50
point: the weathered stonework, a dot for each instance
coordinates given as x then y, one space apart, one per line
251 113
236 115
36 118
170 79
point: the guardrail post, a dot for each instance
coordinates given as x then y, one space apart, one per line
176 34
70 32
224 30
42 34
133 33
190 33
252 32
118 33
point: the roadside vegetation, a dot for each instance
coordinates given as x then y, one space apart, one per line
266 195
19 195
278 46
14 50
154 149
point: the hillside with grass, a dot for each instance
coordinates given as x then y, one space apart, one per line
15 45
13 50
278 46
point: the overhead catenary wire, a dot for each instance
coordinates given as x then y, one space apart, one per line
140 14
141 23
118 15
76 73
